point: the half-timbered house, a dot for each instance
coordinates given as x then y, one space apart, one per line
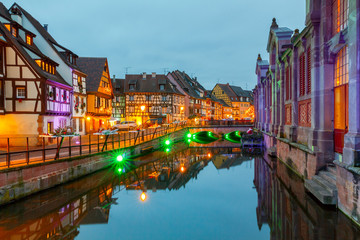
99 92
34 98
118 103
193 92
240 100
67 67
152 97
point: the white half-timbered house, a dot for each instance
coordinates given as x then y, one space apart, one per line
67 67
34 98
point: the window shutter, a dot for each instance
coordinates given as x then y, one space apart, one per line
309 70
290 82
287 82
302 74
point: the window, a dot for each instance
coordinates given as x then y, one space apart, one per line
340 10
81 125
20 92
50 127
302 75
288 83
341 75
164 98
308 65
29 39
162 87
131 87
131 98
131 109
14 31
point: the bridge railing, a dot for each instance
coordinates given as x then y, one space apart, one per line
21 151
214 123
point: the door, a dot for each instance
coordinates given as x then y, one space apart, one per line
341 116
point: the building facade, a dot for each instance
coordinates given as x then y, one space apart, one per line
240 100
35 99
67 66
119 100
152 98
303 93
99 92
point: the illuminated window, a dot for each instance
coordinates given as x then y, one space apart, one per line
20 92
340 9
38 62
341 74
29 39
8 27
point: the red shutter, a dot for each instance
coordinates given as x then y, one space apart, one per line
309 70
287 82
302 74
290 82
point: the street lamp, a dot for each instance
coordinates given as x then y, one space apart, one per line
142 114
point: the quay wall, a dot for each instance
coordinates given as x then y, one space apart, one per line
296 156
16 183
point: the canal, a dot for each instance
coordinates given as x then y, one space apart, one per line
197 192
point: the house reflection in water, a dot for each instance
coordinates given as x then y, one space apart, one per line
291 213
57 213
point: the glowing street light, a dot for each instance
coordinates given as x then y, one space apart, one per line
189 135
167 142
209 155
182 169
88 118
119 158
167 150
142 107
143 196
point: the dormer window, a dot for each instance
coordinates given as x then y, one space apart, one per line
29 39
14 31
48 67
162 87
131 87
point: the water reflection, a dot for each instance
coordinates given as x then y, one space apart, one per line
58 213
290 213
159 197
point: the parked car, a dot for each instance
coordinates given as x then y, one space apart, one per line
126 125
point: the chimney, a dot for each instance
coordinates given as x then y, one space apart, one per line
153 75
46 27
144 75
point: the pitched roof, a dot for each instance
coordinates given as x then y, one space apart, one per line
191 88
19 44
118 85
46 35
150 84
94 68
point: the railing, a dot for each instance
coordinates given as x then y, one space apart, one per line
217 123
21 151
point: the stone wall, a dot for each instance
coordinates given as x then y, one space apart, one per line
348 185
16 183
295 156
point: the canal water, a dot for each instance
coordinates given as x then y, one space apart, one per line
213 192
